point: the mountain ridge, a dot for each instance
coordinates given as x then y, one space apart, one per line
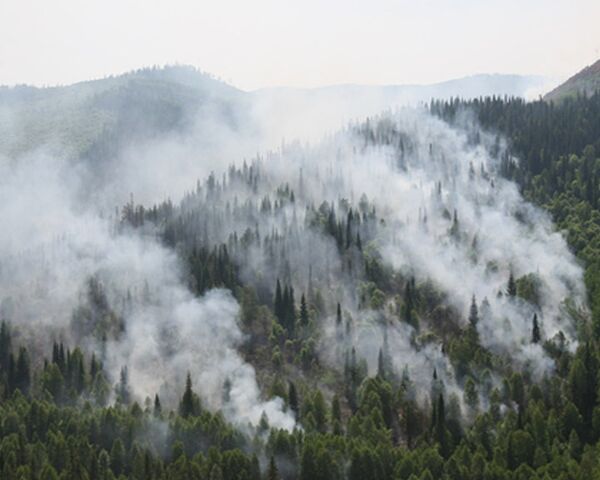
586 82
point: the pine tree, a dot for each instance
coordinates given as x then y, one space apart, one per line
380 365
5 345
79 374
123 395
293 399
473 313
336 411
263 423
189 401
157 406
511 289
437 389
22 374
285 302
278 304
358 242
470 394
94 366
55 353
408 305
349 229
62 362
338 317
272 472
291 312
440 425
536 336
304 317
454 230
117 457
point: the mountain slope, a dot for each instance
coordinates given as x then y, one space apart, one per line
146 102
73 119
585 82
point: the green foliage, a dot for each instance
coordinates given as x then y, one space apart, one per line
55 422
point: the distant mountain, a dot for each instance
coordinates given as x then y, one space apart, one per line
71 119
586 82
332 106
467 87
95 120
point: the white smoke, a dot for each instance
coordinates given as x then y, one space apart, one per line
52 247
417 171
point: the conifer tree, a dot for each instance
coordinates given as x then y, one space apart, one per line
536 336
511 288
189 402
272 472
293 399
157 406
278 303
22 374
349 229
358 242
94 366
123 395
473 313
304 317
408 305
5 345
290 312
440 425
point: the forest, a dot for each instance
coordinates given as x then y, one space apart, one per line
415 297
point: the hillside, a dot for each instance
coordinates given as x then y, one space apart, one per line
73 120
146 102
586 82
413 296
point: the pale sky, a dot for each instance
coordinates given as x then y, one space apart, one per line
262 43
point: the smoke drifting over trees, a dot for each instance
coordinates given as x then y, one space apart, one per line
399 199
387 281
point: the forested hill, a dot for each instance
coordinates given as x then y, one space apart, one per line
586 82
557 148
389 303
94 119
97 119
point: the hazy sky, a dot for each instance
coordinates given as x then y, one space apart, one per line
259 43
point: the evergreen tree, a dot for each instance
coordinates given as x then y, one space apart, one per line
291 312
408 305
536 336
293 399
272 472
5 346
511 289
22 374
473 313
380 365
349 229
358 242
454 229
189 405
470 394
304 318
122 390
278 303
440 425
94 366
157 406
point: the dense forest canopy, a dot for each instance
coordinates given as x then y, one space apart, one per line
413 297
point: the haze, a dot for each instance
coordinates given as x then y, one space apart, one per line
268 43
